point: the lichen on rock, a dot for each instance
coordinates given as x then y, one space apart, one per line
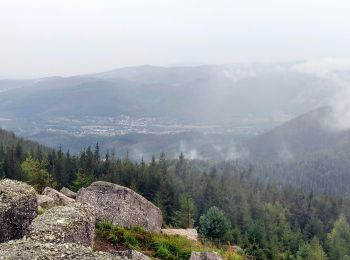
58 198
18 207
74 223
45 201
121 206
31 249
68 193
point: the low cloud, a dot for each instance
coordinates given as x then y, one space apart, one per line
336 70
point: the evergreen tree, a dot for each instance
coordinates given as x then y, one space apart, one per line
215 226
36 174
184 217
338 240
316 251
81 180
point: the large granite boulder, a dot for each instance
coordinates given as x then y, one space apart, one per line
205 256
190 233
31 249
121 206
68 193
45 201
74 223
18 207
58 198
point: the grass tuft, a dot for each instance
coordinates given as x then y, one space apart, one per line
158 246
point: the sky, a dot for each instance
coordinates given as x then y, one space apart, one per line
67 37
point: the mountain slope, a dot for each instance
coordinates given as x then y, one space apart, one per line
8 139
306 152
301 136
204 93
231 100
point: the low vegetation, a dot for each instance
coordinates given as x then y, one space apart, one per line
155 245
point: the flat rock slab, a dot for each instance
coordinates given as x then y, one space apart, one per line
205 256
190 233
74 223
58 198
18 207
130 254
29 249
121 206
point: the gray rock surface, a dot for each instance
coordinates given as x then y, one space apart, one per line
45 201
58 198
74 223
130 254
18 207
205 256
68 193
121 206
190 233
30 249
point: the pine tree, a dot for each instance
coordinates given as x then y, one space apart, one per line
215 226
338 240
316 251
36 174
184 217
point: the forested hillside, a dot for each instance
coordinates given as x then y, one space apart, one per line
268 221
307 152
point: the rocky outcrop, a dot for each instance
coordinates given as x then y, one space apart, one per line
121 206
190 233
58 198
31 249
130 254
18 207
68 193
74 223
45 201
205 256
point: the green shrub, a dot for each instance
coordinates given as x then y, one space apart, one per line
215 226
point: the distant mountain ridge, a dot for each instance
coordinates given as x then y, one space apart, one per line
196 93
309 133
242 99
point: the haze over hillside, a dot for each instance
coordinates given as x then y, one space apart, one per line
188 109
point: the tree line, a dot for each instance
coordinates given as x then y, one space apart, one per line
268 221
